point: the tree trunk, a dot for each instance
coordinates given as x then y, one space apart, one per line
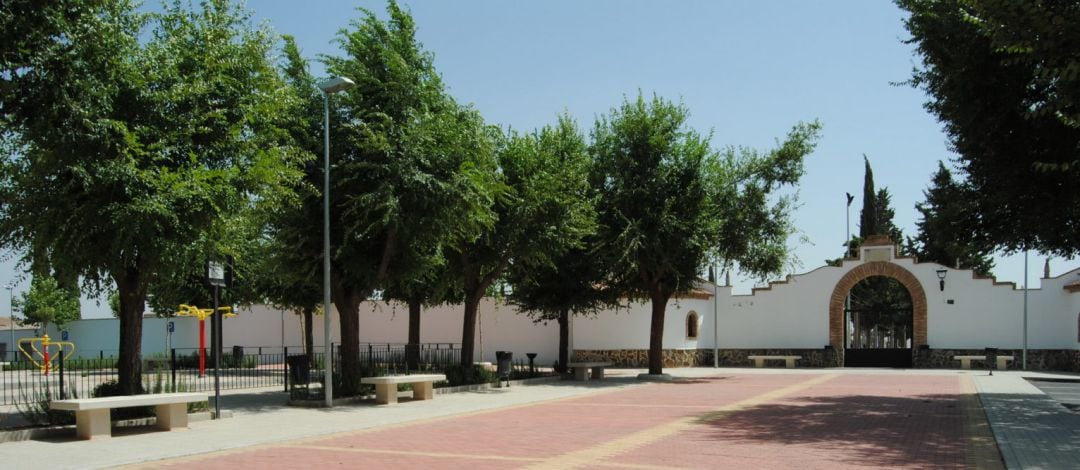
413 349
656 332
309 334
564 341
132 303
347 302
468 328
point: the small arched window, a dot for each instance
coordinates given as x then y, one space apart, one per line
692 325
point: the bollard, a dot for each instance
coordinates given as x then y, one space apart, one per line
61 370
172 367
532 365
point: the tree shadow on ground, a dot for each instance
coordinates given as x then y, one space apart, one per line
922 431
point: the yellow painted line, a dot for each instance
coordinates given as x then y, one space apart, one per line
597 455
981 450
442 455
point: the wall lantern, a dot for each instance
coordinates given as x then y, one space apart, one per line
941 278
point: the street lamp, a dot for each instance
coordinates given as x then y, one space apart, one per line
941 278
332 85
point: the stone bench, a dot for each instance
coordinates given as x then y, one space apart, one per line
386 392
965 361
581 369
789 361
92 414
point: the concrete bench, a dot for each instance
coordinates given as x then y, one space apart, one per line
92 414
581 369
965 361
386 392
789 361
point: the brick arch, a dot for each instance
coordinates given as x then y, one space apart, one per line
876 268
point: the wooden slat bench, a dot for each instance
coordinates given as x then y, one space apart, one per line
789 361
92 414
386 392
581 370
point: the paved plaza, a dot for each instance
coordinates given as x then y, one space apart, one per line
707 418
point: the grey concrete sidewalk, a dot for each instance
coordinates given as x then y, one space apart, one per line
1032 430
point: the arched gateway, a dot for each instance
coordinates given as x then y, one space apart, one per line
838 320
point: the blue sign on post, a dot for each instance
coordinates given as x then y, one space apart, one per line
172 327
64 335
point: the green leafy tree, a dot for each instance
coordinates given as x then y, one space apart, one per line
411 169
433 287
545 212
669 204
570 282
133 151
945 233
869 212
46 302
1002 78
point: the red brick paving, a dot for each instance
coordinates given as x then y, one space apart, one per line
846 421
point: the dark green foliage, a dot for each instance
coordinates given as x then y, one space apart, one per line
669 204
569 281
543 209
1002 78
134 157
411 171
945 227
883 305
46 302
868 215
457 374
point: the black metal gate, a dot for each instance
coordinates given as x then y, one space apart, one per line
878 355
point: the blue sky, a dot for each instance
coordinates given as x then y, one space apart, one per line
747 71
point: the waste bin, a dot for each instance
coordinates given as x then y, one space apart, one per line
238 355
505 364
991 359
299 369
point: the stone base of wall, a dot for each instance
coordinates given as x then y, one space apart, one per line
1062 360
639 358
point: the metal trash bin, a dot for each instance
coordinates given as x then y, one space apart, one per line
991 359
505 361
238 355
299 369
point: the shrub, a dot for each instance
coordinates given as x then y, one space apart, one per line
458 375
37 410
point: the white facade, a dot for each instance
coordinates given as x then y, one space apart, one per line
969 313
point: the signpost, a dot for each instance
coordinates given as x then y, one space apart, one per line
217 277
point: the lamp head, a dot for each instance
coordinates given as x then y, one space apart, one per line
335 84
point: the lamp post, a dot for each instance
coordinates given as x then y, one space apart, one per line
11 311
332 85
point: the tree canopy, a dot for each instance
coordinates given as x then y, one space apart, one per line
945 234
1002 78
411 170
668 203
47 302
543 211
129 152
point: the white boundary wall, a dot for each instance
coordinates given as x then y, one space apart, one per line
789 315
